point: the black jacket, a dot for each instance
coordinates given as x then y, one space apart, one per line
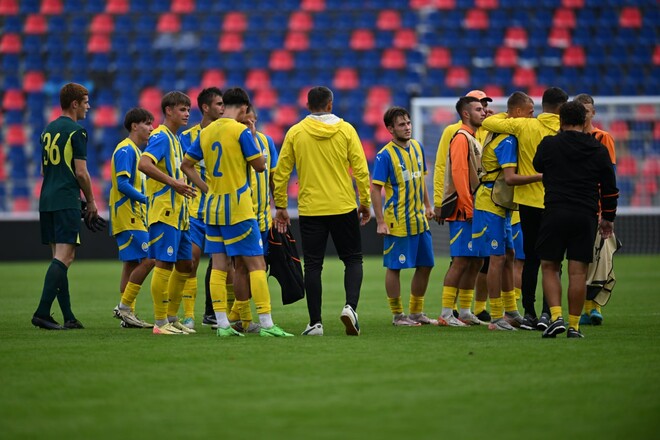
577 174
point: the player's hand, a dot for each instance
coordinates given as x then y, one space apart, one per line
429 213
364 213
282 220
382 228
489 112
89 213
606 228
436 216
181 187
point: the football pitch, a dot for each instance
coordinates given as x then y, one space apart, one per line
391 382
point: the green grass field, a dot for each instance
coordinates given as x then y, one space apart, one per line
108 382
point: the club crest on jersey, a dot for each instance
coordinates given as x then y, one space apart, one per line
469 245
402 258
145 246
170 250
261 243
494 244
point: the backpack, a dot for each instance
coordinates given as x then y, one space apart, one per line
284 264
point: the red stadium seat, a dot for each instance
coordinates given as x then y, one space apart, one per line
257 79
559 37
286 115
168 23
476 19
51 7
516 37
150 100
346 78
10 43
213 78
536 91
619 130
8 7
486 4
457 78
281 60
15 136
439 4
651 167
102 24
3 160
388 20
405 39
183 6
656 130
575 4
265 98
631 17
439 58
99 43
382 135
234 22
230 42
564 18
105 116
656 55
524 77
313 5
626 166
574 57
277 133
393 59
22 204
369 150
13 100
302 97
645 112
362 39
492 90
379 95
33 81
301 21
444 116
373 114
506 57
117 6
35 24
296 41
56 111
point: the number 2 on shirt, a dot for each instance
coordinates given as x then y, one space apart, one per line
216 168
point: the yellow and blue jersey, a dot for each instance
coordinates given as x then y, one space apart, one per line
401 171
127 208
196 204
226 146
260 182
501 152
164 204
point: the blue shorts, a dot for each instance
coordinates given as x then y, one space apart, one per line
407 252
491 234
198 232
460 239
133 245
242 239
169 244
517 236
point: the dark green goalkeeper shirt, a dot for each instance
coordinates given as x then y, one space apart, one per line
62 141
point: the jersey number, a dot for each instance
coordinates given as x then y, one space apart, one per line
216 168
52 150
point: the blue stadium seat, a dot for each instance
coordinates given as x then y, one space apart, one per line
93 6
13 24
13 117
73 6
29 6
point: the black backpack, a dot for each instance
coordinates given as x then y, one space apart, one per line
284 265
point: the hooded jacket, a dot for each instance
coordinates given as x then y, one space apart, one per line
530 132
327 154
577 174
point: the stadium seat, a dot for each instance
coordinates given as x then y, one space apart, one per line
312 5
102 24
183 6
559 37
393 59
234 22
457 77
388 20
362 39
117 6
286 115
168 23
33 81
524 77
346 78
105 116
257 79
51 7
99 43
150 99
15 136
631 17
230 42
213 78
301 21
563 18
651 167
506 57
575 4
619 130
626 166
296 41
13 99
265 98
379 95
9 7
476 19
645 112
574 57
373 114
11 43
486 4
516 37
438 58
281 60
405 39
35 24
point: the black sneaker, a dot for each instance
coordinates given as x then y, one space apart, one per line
555 328
484 316
124 324
73 324
544 322
46 323
529 323
455 313
572 333
209 320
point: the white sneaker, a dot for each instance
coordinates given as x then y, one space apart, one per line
451 321
470 319
128 317
189 322
313 330
422 319
401 320
350 320
513 318
501 324
177 325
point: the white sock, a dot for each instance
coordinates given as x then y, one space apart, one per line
447 312
221 318
161 322
172 318
123 306
266 320
464 312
